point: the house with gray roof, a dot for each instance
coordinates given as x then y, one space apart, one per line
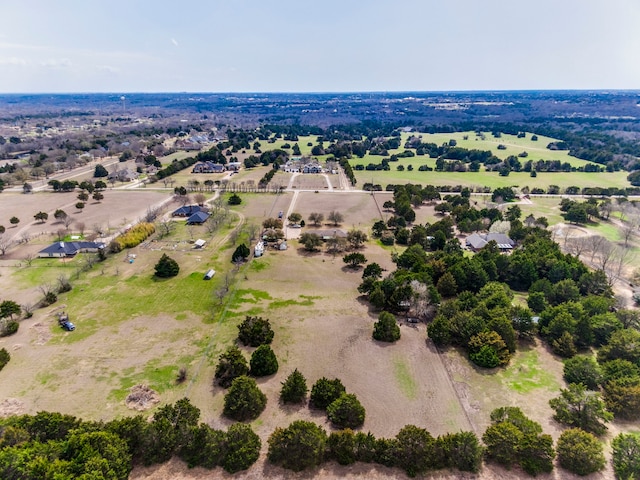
476 241
198 218
69 249
187 210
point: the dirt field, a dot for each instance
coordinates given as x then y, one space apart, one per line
118 208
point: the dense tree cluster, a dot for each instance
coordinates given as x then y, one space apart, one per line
304 445
514 439
52 445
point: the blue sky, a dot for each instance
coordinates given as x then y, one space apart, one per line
327 45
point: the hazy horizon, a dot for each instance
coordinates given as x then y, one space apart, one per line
333 46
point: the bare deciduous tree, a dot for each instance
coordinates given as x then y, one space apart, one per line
152 214
252 231
199 198
576 246
5 243
630 226
336 245
28 258
335 217
165 227
67 221
63 284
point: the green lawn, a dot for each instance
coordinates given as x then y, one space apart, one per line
536 150
487 179
405 380
525 373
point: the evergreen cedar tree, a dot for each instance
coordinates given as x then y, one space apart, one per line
578 407
241 253
100 171
346 411
386 329
231 365
294 388
255 331
626 456
167 267
263 362
580 452
4 357
324 392
299 446
234 199
244 400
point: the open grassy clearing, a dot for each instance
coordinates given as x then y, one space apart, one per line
537 150
488 179
131 327
532 372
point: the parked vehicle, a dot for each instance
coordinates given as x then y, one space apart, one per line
63 321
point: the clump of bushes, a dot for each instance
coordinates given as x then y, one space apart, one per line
255 331
135 236
9 328
4 357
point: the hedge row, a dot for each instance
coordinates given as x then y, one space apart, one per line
133 237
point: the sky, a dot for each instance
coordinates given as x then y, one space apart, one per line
69 46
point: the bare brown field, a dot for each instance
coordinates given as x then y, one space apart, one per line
258 207
118 208
359 209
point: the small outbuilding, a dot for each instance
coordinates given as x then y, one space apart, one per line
209 275
258 250
200 243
